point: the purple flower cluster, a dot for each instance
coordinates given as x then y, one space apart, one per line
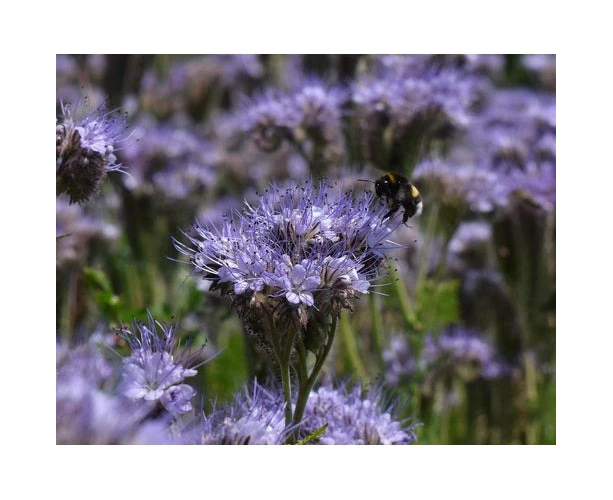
156 369
349 416
302 252
85 151
463 352
461 187
211 131
488 64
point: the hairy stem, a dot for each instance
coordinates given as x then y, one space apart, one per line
305 386
283 361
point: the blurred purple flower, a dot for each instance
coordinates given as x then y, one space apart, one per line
461 186
470 247
461 351
170 161
406 88
399 362
309 117
481 190
71 76
193 85
77 232
88 411
515 131
487 64
267 118
543 66
457 353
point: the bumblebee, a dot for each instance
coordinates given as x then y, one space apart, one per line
398 192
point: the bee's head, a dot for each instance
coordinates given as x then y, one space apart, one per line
381 187
386 185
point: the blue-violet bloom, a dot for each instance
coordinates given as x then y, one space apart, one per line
157 367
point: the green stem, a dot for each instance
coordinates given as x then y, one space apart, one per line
377 326
68 307
532 397
305 386
319 362
283 361
351 346
405 302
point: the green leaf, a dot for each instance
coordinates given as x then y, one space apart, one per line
99 285
437 303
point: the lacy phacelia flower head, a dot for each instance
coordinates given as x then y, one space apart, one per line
300 255
353 417
85 151
155 371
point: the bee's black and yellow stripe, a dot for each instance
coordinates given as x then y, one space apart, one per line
399 192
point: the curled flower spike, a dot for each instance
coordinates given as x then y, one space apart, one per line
156 369
85 151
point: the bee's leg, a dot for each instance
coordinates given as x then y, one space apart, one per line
393 209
